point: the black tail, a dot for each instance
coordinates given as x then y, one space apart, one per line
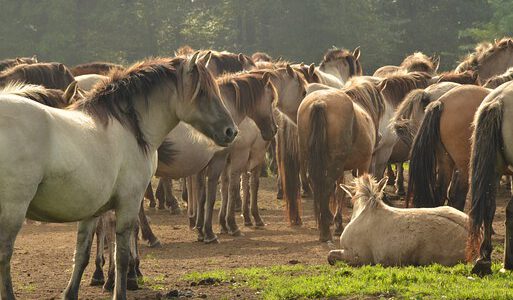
486 144
318 157
422 183
289 169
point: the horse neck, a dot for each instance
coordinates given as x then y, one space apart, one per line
496 65
229 101
288 105
157 116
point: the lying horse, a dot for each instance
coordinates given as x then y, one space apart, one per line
426 235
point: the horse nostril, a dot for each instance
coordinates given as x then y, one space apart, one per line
230 132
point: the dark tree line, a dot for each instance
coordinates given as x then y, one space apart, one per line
76 31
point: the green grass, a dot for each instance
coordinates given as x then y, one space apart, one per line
313 282
156 283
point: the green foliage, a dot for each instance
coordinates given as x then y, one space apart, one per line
314 282
76 31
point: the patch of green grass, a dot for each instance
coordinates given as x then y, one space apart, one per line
29 288
156 283
313 282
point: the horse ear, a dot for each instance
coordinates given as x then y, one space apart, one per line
302 64
347 189
206 58
382 184
18 60
356 53
382 85
34 58
70 91
193 61
311 70
62 67
241 58
290 71
436 62
267 77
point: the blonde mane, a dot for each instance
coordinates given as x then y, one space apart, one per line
366 192
483 51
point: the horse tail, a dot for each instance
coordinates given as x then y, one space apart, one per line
422 183
486 144
403 125
289 169
318 155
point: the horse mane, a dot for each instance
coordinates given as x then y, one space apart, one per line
466 77
261 56
271 65
303 69
355 68
368 96
115 97
418 62
366 191
97 67
49 75
185 50
248 89
11 62
482 51
396 86
227 62
497 80
49 97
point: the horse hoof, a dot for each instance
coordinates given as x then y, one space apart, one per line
212 240
131 284
338 231
152 205
248 224
154 244
223 231
97 281
279 196
331 260
482 268
235 233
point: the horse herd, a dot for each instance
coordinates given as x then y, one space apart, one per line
82 144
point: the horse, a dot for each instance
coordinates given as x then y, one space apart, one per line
338 131
314 74
466 77
342 63
49 97
497 80
261 57
11 62
416 62
226 62
97 67
389 236
489 59
49 75
115 133
491 156
440 152
86 82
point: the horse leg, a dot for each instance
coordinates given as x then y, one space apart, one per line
224 201
399 182
160 193
263 169
11 220
233 195
326 216
125 221
85 233
279 144
254 185
98 277
200 208
305 183
147 233
171 201
213 173
459 189
150 196
246 199
391 175
508 242
340 200
133 261
110 232
184 190
279 185
273 165
191 200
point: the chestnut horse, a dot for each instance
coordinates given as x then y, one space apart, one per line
49 75
100 68
11 62
441 150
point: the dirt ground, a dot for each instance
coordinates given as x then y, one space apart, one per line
42 262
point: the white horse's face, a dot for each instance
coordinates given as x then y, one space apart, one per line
201 105
292 93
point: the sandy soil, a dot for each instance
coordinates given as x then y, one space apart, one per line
42 261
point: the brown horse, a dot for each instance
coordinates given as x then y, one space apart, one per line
491 156
489 59
11 62
466 77
416 62
441 150
49 75
342 63
338 131
219 63
97 67
261 56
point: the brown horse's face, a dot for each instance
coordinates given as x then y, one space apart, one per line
292 91
496 63
263 113
202 107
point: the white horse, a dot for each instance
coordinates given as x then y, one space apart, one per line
381 234
100 154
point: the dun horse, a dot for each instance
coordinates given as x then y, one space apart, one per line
11 62
124 119
49 75
100 68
